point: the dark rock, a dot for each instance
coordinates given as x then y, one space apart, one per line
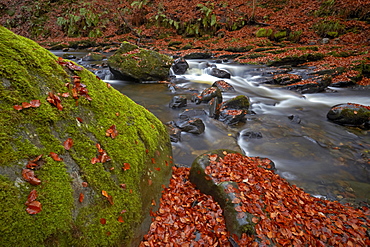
234 110
295 119
180 66
93 56
208 94
220 73
315 85
69 56
190 113
193 125
285 79
223 86
252 135
350 114
178 101
214 108
198 55
130 62
175 134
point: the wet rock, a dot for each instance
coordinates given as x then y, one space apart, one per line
130 62
220 73
175 134
214 108
190 113
295 119
314 85
93 56
223 86
350 114
198 55
180 66
208 94
285 79
224 193
69 56
234 110
251 135
178 101
192 125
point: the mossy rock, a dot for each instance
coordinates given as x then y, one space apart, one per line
117 217
130 62
296 60
350 114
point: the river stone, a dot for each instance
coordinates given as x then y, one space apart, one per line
205 183
84 202
180 66
223 86
130 62
234 110
350 114
178 101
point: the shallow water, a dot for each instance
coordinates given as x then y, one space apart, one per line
325 159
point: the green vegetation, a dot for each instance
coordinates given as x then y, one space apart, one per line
328 28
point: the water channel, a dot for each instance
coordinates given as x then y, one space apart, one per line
325 159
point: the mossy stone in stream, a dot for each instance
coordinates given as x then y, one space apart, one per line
130 62
114 208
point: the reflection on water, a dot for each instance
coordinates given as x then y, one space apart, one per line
323 158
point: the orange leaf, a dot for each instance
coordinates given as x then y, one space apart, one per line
150 182
17 107
55 156
236 200
26 105
85 184
104 193
81 198
103 221
31 197
34 207
110 199
126 166
68 143
35 103
120 219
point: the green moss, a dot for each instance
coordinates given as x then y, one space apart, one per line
263 32
29 72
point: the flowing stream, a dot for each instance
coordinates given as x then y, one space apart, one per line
323 158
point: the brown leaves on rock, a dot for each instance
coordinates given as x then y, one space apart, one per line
112 132
78 88
102 157
32 104
54 100
55 156
29 176
69 64
109 197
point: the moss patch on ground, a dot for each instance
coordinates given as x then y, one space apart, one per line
29 72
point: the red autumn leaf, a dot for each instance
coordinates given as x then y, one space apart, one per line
85 184
65 95
112 132
26 105
30 177
157 168
126 166
104 193
120 219
81 197
103 157
79 119
73 66
213 157
236 200
95 160
117 114
110 199
34 207
109 85
123 211
150 182
103 221
17 107
55 156
153 161
68 144
31 197
35 103
31 165
54 100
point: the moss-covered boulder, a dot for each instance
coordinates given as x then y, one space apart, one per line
130 62
350 114
80 163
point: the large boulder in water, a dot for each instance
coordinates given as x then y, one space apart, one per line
130 62
89 162
350 114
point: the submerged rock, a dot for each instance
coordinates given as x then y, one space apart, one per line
178 101
76 151
350 114
180 66
130 62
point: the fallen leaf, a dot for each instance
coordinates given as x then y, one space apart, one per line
81 197
68 143
126 166
34 207
26 105
32 196
85 184
17 107
55 156
35 103
30 177
120 219
104 193
103 221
